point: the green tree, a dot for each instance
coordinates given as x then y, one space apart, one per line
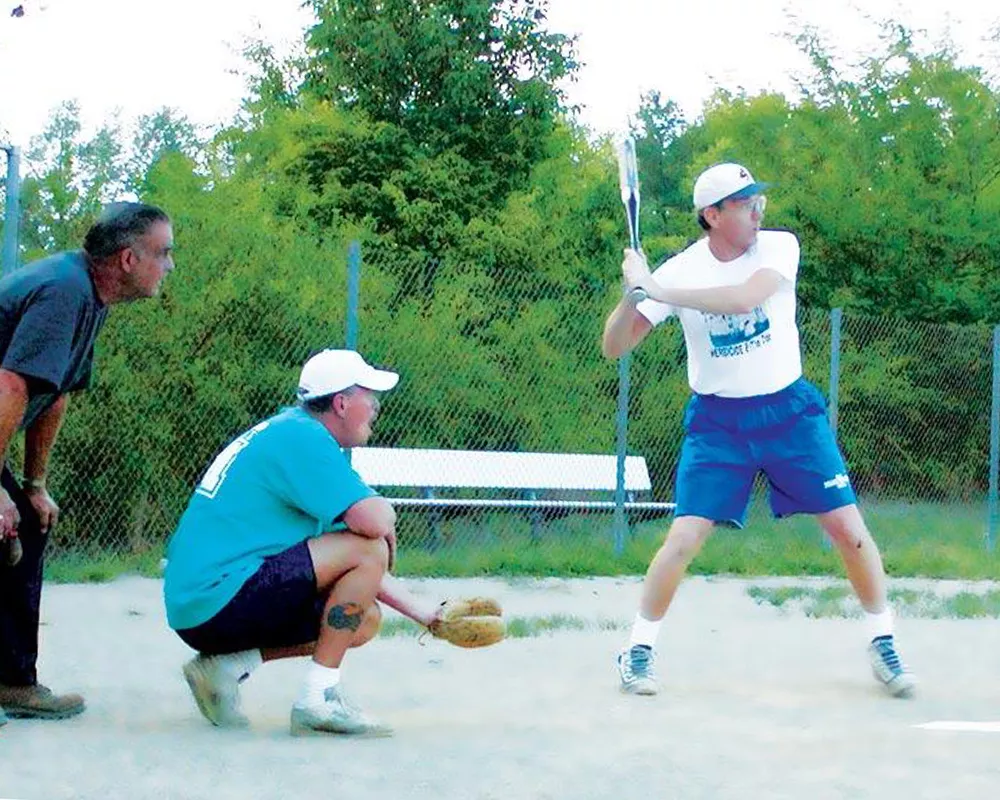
66 181
158 135
412 119
478 77
890 179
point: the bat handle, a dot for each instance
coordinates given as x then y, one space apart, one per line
637 295
633 234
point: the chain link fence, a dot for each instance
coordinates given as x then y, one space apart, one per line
490 360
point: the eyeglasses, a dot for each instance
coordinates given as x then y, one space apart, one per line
751 205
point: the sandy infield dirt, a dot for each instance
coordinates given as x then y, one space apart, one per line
757 702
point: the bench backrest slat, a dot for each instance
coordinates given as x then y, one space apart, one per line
474 469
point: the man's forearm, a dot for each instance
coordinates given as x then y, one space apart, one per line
13 402
39 438
719 300
741 298
394 594
618 336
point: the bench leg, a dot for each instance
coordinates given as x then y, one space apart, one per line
629 530
437 537
537 520
434 519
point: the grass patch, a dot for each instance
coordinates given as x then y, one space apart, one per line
399 626
776 596
908 597
96 567
831 602
528 627
839 602
517 627
823 602
966 605
916 540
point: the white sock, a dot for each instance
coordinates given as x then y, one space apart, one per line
240 665
318 680
879 624
645 631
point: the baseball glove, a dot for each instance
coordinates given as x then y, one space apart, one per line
469 622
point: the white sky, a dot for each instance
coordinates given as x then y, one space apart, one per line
135 56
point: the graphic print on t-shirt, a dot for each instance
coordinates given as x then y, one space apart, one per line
736 334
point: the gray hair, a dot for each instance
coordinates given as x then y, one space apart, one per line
118 227
318 405
323 403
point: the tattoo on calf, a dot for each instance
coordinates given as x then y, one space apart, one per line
346 616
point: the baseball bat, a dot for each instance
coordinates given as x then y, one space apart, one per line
628 182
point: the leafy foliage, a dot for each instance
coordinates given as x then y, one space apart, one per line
436 134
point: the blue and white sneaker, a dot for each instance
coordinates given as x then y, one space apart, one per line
888 669
636 670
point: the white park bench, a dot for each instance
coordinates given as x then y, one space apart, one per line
531 475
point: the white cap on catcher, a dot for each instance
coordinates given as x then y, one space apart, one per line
332 371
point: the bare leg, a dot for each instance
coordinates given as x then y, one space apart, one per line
350 617
667 569
353 580
364 634
862 561
863 564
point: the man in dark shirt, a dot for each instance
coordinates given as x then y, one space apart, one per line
50 314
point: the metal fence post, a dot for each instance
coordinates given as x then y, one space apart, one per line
991 516
836 317
12 214
353 290
621 440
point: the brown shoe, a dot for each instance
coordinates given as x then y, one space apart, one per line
38 702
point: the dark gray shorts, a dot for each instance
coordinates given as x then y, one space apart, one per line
279 606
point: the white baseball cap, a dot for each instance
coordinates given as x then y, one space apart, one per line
724 182
332 371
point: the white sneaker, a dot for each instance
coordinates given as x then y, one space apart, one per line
636 670
215 691
335 715
888 669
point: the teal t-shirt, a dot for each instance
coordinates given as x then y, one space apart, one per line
282 482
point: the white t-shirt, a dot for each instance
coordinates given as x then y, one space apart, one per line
736 355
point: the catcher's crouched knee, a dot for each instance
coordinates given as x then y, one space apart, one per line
370 624
470 622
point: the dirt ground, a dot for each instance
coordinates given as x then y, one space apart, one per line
757 703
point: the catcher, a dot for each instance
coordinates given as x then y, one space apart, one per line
283 551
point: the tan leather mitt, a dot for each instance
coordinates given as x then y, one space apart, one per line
470 622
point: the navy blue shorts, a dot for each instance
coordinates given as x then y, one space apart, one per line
279 606
785 435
